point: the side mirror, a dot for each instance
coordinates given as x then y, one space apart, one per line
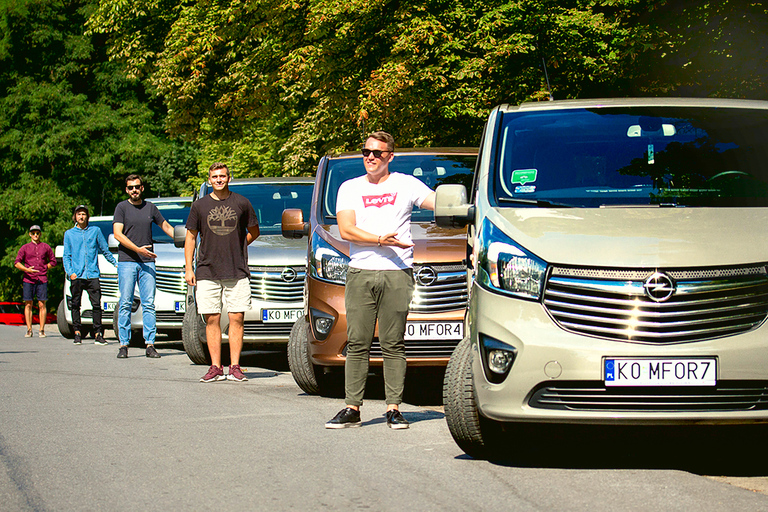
179 235
112 243
452 209
293 224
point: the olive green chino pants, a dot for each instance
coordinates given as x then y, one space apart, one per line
370 295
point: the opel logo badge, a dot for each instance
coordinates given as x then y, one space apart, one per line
426 276
659 287
288 274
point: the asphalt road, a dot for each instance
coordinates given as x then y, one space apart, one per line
83 430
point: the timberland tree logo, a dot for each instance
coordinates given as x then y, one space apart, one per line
222 220
379 201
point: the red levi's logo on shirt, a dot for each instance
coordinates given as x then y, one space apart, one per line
379 201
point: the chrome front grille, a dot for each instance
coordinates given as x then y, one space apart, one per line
278 284
109 285
171 280
448 292
614 304
253 329
594 396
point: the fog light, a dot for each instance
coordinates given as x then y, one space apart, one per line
323 325
498 358
499 361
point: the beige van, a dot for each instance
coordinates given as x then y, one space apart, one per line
619 268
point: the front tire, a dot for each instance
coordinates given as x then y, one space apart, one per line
65 329
472 432
193 336
303 371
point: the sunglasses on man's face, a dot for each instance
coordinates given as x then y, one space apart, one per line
133 187
376 152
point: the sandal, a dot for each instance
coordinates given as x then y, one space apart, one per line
42 334
28 335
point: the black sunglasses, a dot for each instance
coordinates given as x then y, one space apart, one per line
376 152
132 187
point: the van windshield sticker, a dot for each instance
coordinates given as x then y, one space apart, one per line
524 176
525 189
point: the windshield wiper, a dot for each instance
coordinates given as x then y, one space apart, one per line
541 203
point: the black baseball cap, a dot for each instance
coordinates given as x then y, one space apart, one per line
82 207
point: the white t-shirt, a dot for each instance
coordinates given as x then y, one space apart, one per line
380 209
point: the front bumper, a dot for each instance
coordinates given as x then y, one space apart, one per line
553 358
328 299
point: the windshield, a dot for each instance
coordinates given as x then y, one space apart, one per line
433 170
270 199
661 156
176 213
104 225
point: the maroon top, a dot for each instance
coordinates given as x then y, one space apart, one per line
36 256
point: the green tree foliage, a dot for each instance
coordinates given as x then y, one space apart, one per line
704 49
72 126
427 71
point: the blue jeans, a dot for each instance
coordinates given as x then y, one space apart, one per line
128 274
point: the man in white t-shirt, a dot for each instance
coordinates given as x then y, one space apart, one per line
374 215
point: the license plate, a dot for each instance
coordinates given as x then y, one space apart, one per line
434 330
109 306
280 315
180 306
660 372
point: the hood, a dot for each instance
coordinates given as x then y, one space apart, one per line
274 250
168 255
432 244
267 250
639 237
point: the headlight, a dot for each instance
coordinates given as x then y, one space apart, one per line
326 263
506 267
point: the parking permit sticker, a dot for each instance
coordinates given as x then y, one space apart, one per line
525 189
523 176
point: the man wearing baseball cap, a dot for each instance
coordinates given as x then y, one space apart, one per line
82 245
34 259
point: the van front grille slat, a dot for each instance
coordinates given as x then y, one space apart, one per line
595 396
268 284
448 292
613 304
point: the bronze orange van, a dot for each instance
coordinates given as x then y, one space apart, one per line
318 341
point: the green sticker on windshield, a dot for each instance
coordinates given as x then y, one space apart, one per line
524 176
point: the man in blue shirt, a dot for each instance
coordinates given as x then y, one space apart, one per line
82 245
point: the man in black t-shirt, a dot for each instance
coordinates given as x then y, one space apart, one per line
132 225
227 223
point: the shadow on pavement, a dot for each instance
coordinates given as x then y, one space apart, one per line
706 450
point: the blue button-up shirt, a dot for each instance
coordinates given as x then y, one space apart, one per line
81 250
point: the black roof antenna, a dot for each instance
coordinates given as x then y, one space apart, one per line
546 75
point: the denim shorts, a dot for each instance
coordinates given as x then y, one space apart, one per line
30 290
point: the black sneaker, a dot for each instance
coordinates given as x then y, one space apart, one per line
345 418
151 352
77 340
100 340
395 420
123 352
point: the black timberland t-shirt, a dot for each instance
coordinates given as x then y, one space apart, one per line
223 227
137 226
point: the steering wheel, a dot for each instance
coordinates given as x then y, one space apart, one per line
728 174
